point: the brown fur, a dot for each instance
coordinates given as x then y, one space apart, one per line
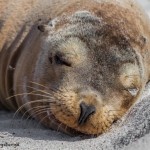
104 51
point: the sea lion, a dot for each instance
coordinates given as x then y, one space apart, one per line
75 65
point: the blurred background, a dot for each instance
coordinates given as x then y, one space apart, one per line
146 5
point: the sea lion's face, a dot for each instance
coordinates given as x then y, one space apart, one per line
91 72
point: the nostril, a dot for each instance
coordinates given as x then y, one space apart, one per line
86 111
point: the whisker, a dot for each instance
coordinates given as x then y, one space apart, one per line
113 110
59 127
37 107
17 95
41 121
52 121
40 100
35 90
33 93
52 89
38 90
37 113
38 84
30 93
66 128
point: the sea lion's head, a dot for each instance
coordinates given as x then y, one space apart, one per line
91 69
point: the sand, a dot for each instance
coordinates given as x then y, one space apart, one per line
130 133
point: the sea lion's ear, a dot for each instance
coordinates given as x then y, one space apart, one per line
44 28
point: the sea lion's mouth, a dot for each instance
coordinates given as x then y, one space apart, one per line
63 127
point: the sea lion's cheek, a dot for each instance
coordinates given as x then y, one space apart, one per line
121 100
127 100
66 108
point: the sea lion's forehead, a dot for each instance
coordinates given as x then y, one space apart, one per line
97 41
79 23
92 48
83 16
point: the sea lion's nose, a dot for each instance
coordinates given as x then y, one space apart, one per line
85 112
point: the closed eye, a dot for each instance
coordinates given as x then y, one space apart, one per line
60 61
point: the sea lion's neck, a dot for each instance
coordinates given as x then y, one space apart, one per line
8 59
